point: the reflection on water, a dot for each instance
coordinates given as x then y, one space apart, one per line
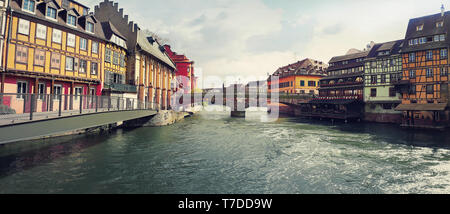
213 153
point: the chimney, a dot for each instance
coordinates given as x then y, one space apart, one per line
442 10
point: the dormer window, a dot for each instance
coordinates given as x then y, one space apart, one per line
440 24
71 20
51 13
29 5
90 27
419 28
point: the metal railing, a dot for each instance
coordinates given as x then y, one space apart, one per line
16 108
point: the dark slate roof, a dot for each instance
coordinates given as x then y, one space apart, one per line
153 49
349 57
303 67
60 22
394 48
429 29
109 30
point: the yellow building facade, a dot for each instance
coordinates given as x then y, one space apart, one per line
52 48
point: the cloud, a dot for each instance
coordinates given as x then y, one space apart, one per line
253 37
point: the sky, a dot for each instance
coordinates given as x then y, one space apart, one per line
247 39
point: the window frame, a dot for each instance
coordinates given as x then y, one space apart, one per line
51 60
83 41
25 61
68 22
87 27
74 44
41 94
54 31
97 45
92 68
80 66
50 9
72 68
21 94
20 30
38 35
29 11
36 51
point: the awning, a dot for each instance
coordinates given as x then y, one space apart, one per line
336 102
422 107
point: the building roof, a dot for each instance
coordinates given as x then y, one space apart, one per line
109 29
392 47
153 49
429 30
349 57
304 67
60 23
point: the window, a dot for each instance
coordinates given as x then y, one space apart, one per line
56 37
444 53
419 28
28 5
412 90
345 62
444 71
83 66
411 42
412 74
94 68
90 27
116 59
55 60
71 20
71 40
122 60
430 89
442 37
41 91
422 40
107 55
51 12
302 83
311 83
429 55
412 57
41 31
78 92
69 63
95 47
416 41
57 90
22 89
373 79
24 26
22 54
83 44
392 92
440 24
373 92
429 72
39 57
383 78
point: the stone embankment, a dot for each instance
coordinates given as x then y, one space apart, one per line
166 117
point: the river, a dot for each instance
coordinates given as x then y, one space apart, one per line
213 153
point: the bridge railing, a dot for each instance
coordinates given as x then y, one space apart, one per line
15 108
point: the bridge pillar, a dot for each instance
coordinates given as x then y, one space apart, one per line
235 112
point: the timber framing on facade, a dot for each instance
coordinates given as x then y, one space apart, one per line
425 78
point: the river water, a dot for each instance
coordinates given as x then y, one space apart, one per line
213 153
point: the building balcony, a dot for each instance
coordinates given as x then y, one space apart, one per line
341 84
121 88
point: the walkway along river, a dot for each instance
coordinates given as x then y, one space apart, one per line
213 153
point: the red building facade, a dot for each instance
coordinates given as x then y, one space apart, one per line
186 79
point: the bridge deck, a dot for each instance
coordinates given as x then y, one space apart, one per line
60 125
